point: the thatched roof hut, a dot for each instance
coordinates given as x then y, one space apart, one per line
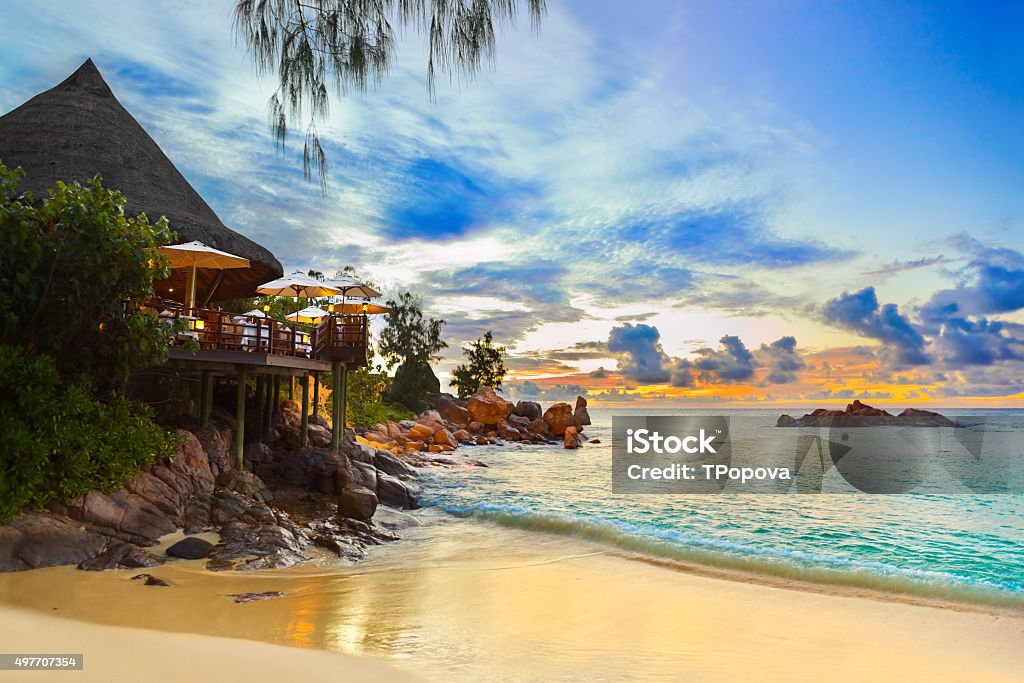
78 129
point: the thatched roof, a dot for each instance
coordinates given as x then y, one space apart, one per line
78 129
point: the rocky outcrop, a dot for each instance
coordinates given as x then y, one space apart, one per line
580 412
452 412
199 490
559 417
316 469
358 502
191 548
395 493
122 556
35 540
571 439
858 414
487 408
531 410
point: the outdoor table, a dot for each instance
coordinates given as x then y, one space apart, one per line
190 333
252 336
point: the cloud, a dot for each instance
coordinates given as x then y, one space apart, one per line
860 312
728 235
847 394
784 363
536 365
992 282
895 267
528 390
960 341
641 356
957 318
643 360
731 362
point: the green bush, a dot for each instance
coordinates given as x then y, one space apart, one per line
365 399
59 442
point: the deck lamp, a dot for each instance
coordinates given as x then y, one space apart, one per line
364 309
266 308
200 325
330 308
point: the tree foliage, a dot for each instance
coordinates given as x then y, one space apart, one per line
407 337
486 367
60 442
315 46
73 270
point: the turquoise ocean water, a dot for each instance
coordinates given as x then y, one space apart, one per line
965 547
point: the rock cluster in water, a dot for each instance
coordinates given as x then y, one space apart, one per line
482 419
858 414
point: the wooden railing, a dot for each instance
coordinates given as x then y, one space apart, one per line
342 338
338 338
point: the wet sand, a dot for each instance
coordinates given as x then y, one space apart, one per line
461 601
112 653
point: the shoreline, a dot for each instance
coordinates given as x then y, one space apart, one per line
459 601
696 560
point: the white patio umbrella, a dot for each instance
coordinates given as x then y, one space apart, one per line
351 287
196 255
308 315
348 286
255 313
298 284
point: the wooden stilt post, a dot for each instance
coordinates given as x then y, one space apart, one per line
337 427
275 404
205 398
316 393
344 396
261 390
268 400
305 409
240 421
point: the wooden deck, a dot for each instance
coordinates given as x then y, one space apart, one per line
229 340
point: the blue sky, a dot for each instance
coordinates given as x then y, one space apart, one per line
728 174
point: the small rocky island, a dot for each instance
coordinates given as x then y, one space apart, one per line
858 414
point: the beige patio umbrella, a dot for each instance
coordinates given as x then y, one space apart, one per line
356 306
196 255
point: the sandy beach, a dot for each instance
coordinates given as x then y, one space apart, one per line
473 601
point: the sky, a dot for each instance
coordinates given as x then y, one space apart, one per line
695 203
